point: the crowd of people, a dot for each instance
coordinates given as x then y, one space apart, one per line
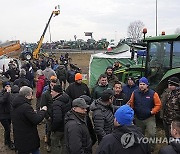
113 115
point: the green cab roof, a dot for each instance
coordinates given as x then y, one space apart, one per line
163 38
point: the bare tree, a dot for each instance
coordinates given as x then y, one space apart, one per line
177 31
135 30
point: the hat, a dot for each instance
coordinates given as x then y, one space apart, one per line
131 78
5 83
109 67
174 81
80 102
106 94
86 98
53 78
144 80
78 76
124 115
57 88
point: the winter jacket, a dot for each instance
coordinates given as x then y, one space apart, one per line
145 102
75 90
173 148
120 99
103 118
98 89
61 72
40 85
77 137
47 100
61 105
171 105
22 81
116 142
127 90
48 72
5 105
25 121
13 74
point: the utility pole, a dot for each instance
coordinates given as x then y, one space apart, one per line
156 18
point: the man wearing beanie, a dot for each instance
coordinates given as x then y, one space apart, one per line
130 87
77 136
125 138
146 104
171 101
102 114
5 108
60 106
77 88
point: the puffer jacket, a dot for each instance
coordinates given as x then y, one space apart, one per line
61 105
77 137
103 118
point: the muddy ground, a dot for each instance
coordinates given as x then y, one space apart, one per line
82 61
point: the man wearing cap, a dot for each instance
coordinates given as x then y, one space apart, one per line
47 100
60 106
5 108
110 75
171 104
146 104
102 114
125 138
77 137
77 88
13 73
130 87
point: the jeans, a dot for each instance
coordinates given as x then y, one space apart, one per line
6 123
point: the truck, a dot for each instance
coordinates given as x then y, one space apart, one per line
9 46
28 54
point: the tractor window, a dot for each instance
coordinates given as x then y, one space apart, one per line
176 54
159 54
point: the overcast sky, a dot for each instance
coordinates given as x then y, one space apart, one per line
25 20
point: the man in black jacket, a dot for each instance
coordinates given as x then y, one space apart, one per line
60 106
174 147
25 121
102 114
77 137
126 138
5 108
77 88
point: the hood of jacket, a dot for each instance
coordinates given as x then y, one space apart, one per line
132 133
15 89
19 100
98 104
62 97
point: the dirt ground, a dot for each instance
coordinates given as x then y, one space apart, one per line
82 61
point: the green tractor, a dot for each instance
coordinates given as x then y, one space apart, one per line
158 64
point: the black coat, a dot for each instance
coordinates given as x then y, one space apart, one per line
77 137
5 105
75 90
60 107
103 118
22 81
173 148
25 121
116 142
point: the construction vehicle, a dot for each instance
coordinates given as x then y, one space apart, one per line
160 62
9 46
36 53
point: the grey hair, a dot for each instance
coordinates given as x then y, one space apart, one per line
25 91
39 72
